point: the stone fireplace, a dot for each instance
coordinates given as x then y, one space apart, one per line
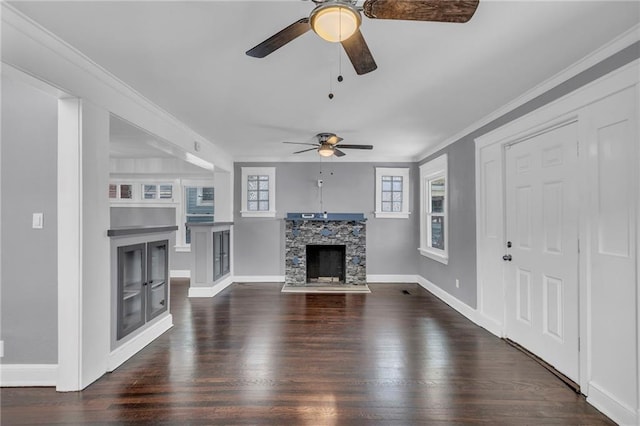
325 248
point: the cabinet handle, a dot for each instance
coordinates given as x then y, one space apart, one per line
162 302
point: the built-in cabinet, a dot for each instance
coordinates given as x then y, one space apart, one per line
142 284
211 262
139 286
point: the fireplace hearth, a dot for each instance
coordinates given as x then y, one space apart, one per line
325 248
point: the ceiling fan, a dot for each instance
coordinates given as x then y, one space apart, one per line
328 145
339 21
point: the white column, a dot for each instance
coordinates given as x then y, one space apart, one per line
83 247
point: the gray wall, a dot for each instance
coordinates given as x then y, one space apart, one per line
151 216
29 302
462 193
259 242
142 216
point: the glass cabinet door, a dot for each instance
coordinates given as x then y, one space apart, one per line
157 278
131 280
225 252
217 255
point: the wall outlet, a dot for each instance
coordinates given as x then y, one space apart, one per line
1 348
457 283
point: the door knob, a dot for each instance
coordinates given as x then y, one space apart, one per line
507 257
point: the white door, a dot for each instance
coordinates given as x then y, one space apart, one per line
542 229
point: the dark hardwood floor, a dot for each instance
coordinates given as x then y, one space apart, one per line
253 355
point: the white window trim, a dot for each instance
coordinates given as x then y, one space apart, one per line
428 171
389 171
268 171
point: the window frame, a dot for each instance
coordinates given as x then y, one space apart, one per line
392 171
430 171
260 171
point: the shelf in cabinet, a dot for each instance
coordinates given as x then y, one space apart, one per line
158 284
128 294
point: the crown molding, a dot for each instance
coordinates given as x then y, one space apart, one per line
71 72
624 40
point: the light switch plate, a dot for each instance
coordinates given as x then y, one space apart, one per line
1 348
38 221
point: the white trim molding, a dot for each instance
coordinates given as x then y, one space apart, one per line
470 313
434 169
258 279
390 278
212 290
180 273
402 172
611 406
625 40
18 375
118 356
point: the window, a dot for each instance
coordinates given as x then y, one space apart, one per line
392 192
433 210
157 192
197 210
120 191
258 192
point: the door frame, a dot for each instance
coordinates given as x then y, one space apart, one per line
491 207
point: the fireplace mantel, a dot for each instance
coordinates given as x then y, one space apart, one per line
348 229
348 217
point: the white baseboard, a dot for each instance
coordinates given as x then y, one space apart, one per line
180 273
610 406
133 346
258 278
14 375
391 278
210 291
472 314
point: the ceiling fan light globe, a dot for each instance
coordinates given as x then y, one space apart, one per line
325 151
335 22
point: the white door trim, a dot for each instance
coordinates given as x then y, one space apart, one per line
556 113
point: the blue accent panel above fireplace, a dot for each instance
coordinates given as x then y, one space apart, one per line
358 217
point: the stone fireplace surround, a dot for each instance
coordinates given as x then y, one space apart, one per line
302 229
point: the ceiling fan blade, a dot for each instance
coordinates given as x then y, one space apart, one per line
359 53
421 10
279 39
302 143
333 140
305 150
356 146
338 153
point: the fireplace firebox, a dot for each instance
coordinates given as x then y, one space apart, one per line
326 263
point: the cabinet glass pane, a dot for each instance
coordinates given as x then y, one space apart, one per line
157 279
217 253
131 306
157 264
157 300
225 252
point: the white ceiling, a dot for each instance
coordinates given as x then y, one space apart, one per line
433 79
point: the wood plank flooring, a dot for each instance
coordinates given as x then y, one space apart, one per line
253 355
